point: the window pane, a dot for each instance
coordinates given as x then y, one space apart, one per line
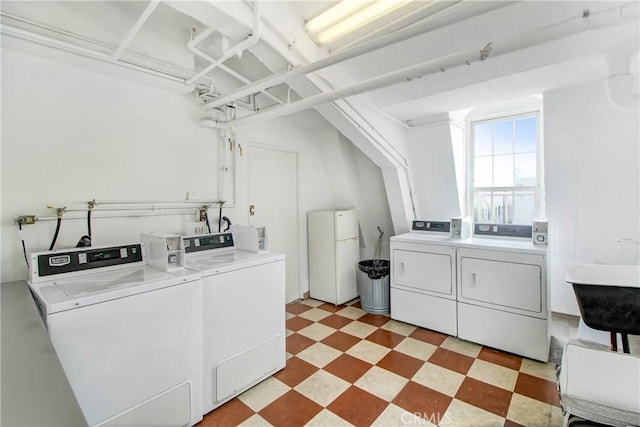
503 137
482 172
505 156
498 208
502 207
524 207
503 171
482 139
526 135
482 207
525 169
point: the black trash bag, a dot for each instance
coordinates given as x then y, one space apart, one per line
375 268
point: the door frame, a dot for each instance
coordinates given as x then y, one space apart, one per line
253 144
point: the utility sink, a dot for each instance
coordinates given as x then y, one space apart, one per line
605 275
609 298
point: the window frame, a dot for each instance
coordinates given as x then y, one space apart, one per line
537 189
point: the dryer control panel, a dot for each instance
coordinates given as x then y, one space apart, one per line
438 226
206 242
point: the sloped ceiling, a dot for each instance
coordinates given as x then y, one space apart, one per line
518 65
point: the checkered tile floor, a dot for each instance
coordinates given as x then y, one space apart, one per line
348 367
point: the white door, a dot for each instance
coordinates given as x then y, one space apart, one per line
346 225
273 194
347 256
504 284
428 272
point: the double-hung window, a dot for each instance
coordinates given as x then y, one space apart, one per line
505 156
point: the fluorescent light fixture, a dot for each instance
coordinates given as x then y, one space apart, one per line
347 16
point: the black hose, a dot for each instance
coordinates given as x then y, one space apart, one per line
220 218
206 220
228 221
89 223
55 235
24 247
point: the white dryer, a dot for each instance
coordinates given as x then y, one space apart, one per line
423 277
243 316
503 294
129 337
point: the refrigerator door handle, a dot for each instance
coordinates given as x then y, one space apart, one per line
348 240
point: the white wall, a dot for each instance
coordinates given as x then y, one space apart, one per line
592 184
70 135
373 205
433 171
314 191
333 174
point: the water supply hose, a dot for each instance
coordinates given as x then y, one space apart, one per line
24 246
221 202
206 220
90 206
228 222
89 223
55 235
59 213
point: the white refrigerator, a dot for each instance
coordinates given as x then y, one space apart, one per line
334 252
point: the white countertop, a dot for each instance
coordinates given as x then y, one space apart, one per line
35 389
521 245
507 244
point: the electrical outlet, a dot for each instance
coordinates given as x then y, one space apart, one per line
27 219
201 215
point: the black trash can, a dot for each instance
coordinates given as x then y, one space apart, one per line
373 285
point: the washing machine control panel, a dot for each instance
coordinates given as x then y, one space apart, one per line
58 262
205 242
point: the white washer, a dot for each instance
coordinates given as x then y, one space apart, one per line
129 337
243 316
503 295
423 277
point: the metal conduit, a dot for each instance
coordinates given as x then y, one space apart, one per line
151 202
237 49
50 42
69 47
386 147
123 215
202 36
565 28
366 47
432 66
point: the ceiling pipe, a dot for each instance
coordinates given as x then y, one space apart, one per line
601 19
79 50
240 47
587 21
210 123
276 79
136 28
202 36
433 66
